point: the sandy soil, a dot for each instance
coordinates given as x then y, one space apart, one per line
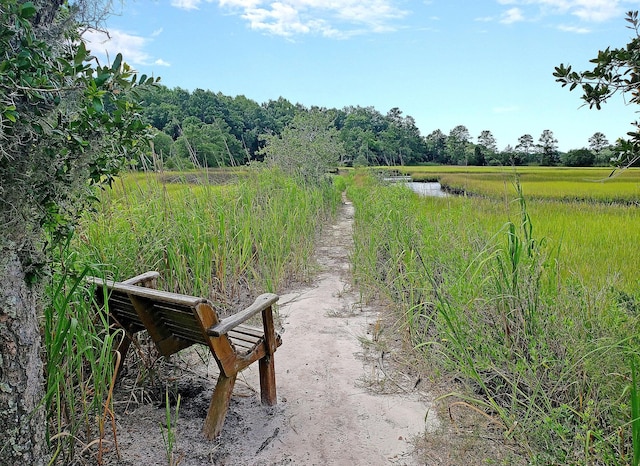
341 398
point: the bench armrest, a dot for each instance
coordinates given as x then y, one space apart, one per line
261 303
142 279
139 280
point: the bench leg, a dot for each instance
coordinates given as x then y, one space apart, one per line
267 381
218 406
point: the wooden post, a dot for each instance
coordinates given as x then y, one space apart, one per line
266 364
218 406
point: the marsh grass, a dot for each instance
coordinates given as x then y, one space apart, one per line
168 430
80 361
541 351
210 240
590 185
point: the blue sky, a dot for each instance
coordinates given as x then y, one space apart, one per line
485 64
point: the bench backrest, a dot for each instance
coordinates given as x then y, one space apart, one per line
170 318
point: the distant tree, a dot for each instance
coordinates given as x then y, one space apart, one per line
281 111
401 140
457 142
525 147
579 158
478 157
360 161
436 147
485 149
307 147
615 71
163 149
161 106
247 120
508 156
208 145
360 133
548 148
598 142
488 141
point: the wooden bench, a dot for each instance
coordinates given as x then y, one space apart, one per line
175 321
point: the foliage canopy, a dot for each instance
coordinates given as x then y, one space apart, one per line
616 71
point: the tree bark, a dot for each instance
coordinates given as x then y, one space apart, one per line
22 418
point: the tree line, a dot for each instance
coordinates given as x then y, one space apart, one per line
204 128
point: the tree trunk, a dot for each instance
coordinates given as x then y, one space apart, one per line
22 419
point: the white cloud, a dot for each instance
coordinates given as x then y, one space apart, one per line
512 15
585 10
132 47
575 29
186 4
329 18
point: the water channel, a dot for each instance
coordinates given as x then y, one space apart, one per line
427 189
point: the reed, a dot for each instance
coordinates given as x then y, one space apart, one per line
79 370
481 288
210 240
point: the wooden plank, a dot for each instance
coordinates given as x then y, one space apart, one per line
243 338
148 293
219 406
251 331
147 278
186 334
266 365
220 346
244 346
158 333
261 303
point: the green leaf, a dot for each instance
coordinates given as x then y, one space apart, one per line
97 104
102 78
117 63
27 10
81 54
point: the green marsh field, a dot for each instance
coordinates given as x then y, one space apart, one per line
591 216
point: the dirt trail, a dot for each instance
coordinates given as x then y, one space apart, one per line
329 410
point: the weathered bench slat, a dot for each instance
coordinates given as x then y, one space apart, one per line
249 331
240 339
159 295
261 303
175 321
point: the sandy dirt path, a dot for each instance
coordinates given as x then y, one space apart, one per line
332 417
329 410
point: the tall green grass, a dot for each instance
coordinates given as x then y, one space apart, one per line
210 240
79 367
545 355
